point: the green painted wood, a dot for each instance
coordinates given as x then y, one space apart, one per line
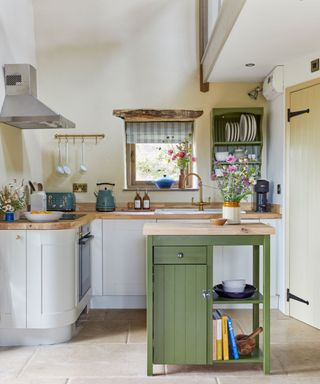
170 255
256 283
176 303
180 334
256 357
210 255
208 240
149 280
266 305
254 299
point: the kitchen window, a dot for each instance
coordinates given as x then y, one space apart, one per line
147 145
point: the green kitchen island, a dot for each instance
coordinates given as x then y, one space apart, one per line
180 298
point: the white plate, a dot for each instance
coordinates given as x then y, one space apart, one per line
232 132
238 131
254 128
43 217
228 132
249 128
243 127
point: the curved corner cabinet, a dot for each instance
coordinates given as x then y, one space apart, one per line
39 285
221 141
180 300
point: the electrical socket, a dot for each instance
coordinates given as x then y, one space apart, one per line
279 189
80 187
315 65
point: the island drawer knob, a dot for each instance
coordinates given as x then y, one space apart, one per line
18 237
180 255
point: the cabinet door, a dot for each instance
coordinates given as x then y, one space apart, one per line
13 279
52 289
180 314
124 271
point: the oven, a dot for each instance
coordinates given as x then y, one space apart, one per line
85 238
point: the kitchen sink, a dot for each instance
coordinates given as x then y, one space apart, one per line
191 211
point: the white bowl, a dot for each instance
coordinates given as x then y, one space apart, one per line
221 156
235 285
43 217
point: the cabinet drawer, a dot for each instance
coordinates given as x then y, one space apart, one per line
180 255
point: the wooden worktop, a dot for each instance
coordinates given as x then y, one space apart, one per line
60 224
200 229
126 215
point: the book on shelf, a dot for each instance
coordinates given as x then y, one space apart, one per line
217 336
225 338
224 343
232 340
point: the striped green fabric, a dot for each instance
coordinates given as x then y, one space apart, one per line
157 131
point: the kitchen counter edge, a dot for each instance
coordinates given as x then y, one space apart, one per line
124 215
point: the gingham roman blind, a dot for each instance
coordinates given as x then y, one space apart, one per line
157 131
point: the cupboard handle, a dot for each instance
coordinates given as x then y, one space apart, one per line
206 294
180 255
18 237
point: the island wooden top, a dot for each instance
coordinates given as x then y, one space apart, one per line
203 229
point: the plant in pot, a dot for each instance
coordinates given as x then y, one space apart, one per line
235 180
181 154
12 199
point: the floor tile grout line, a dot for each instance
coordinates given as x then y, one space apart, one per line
26 365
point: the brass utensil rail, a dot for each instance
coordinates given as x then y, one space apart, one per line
80 136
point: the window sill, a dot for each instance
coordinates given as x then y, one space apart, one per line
160 189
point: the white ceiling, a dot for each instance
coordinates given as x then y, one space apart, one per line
268 33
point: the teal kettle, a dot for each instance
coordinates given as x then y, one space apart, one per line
105 199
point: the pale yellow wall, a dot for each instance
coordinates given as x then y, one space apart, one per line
16 46
122 58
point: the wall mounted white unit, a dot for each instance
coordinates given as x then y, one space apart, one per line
273 83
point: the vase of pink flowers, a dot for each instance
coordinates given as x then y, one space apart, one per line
181 154
235 179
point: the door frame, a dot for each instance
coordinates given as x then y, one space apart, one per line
288 91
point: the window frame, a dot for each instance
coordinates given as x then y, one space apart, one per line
132 183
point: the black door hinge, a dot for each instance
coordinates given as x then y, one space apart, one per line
296 113
294 297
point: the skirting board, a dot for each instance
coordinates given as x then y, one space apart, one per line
138 302
118 302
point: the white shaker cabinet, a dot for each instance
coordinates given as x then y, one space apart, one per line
52 289
13 293
119 273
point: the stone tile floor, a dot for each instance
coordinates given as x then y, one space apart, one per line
110 348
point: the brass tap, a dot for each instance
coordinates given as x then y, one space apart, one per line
200 203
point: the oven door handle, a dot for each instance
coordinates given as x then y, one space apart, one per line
85 239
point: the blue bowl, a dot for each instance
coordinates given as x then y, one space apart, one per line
164 182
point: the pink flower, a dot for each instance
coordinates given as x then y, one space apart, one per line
170 152
231 159
181 155
232 168
174 157
194 159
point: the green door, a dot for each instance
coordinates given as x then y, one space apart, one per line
180 314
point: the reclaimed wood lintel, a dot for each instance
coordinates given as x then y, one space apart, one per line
157 114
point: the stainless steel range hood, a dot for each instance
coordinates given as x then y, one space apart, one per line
21 108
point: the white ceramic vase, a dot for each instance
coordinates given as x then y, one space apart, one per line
231 212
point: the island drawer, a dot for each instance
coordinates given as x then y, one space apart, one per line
180 255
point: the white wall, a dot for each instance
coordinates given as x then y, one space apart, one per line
132 54
17 45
